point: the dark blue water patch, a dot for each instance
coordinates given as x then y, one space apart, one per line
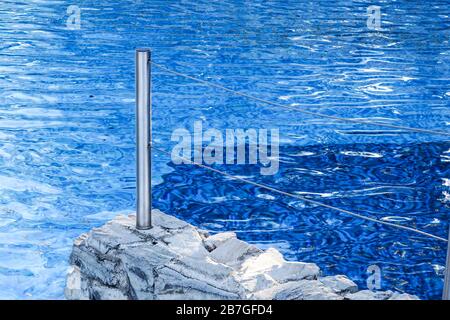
405 184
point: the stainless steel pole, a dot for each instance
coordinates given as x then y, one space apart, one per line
446 292
143 139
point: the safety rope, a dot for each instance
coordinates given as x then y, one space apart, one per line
359 121
269 188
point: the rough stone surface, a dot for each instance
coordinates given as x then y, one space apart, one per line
216 240
380 295
340 284
175 260
298 290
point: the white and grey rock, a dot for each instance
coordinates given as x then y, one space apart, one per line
175 260
340 284
298 290
380 295
216 240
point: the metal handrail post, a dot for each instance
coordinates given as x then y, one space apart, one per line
446 291
143 139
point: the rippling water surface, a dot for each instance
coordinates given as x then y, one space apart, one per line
67 129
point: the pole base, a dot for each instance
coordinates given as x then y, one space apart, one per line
143 228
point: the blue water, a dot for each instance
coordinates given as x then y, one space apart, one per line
67 129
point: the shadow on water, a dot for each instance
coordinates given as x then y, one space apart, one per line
405 184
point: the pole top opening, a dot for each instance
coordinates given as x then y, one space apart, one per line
143 50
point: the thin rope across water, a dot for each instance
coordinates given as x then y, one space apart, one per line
269 188
359 121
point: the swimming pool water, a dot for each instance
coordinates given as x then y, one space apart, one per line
67 129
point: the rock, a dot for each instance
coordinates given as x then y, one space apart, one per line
175 260
340 284
102 292
234 252
73 285
380 295
257 282
403 296
168 261
206 279
298 290
294 271
308 290
204 234
272 264
200 280
369 295
216 240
